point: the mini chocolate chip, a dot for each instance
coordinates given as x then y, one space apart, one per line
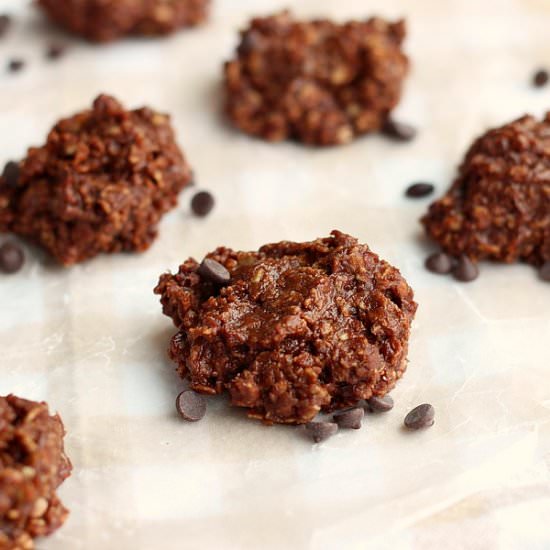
16 65
250 41
319 431
11 258
398 131
420 417
419 190
540 78
439 263
55 51
545 272
5 22
191 405
465 270
380 404
10 174
202 203
350 419
214 272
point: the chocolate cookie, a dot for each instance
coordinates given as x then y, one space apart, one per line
100 184
498 208
296 328
32 465
105 20
317 82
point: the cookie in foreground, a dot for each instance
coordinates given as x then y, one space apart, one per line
498 208
100 184
291 330
32 466
318 82
106 20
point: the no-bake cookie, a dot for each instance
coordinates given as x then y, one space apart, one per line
106 20
498 208
32 465
318 82
292 329
101 183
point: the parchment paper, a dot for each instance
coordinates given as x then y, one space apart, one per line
91 340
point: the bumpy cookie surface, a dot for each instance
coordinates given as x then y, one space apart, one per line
32 465
105 20
318 82
300 328
101 183
498 208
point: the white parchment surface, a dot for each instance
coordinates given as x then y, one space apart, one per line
91 340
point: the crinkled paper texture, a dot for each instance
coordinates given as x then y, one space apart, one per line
91 340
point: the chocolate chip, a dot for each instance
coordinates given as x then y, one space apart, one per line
191 405
350 419
16 65
439 263
320 431
419 190
465 270
10 175
5 22
420 417
398 131
545 272
250 41
380 404
540 78
55 51
202 203
11 258
214 272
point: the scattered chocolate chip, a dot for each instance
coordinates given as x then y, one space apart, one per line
10 175
55 51
420 417
419 190
545 272
398 131
319 431
202 203
351 419
5 22
540 78
380 404
213 271
439 263
16 65
190 405
11 258
465 270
